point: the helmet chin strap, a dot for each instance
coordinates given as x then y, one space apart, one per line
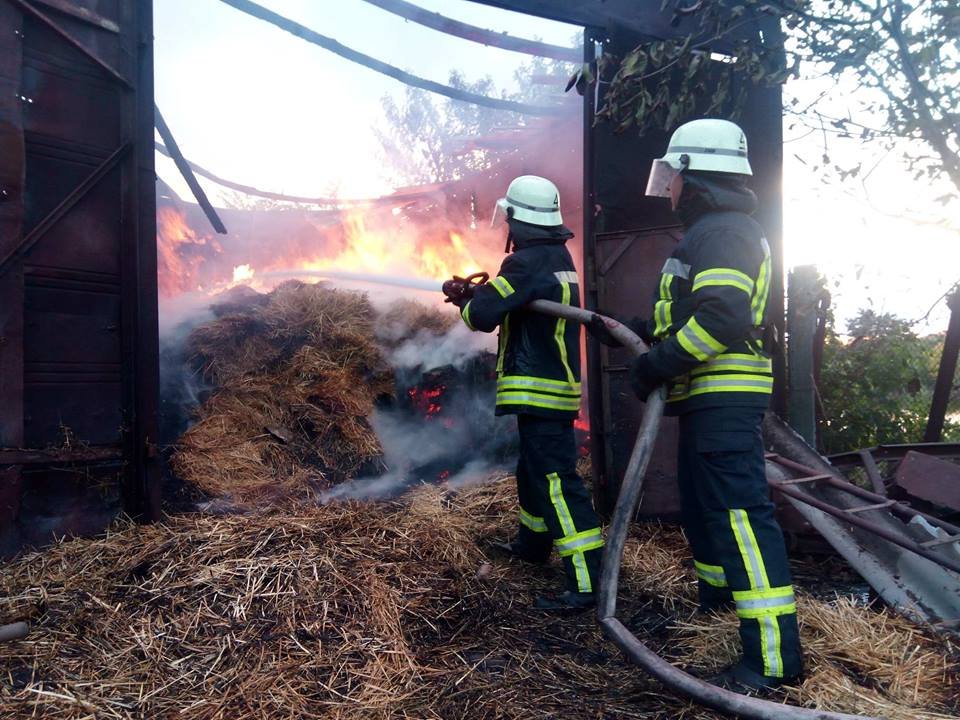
509 247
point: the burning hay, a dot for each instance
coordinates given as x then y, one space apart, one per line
297 377
391 610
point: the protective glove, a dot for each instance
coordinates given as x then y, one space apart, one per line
458 291
644 378
598 328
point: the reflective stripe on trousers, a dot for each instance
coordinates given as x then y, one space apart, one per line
576 555
761 603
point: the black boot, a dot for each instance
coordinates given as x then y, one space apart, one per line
567 600
519 551
740 679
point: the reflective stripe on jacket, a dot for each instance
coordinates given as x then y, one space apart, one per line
538 358
709 307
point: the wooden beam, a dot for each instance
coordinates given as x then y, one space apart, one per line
184 167
327 43
502 40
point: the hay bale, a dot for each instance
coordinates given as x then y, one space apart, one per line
304 360
406 319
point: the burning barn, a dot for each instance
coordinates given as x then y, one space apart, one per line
249 464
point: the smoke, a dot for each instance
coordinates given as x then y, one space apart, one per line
393 484
181 387
359 277
425 351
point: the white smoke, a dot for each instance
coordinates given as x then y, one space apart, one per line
427 352
475 472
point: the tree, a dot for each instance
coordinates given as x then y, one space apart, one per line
876 385
426 140
422 137
901 59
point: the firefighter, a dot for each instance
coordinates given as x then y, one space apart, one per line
706 326
538 380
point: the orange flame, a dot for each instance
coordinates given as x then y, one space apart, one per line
397 247
180 252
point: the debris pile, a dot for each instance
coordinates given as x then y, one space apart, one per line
394 610
297 374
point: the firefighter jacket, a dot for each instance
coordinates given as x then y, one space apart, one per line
538 358
710 303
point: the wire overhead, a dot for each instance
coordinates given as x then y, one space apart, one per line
311 36
459 29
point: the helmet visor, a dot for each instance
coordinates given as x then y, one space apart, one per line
500 213
661 175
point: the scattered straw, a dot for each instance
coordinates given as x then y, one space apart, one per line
368 610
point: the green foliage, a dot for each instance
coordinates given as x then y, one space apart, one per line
876 384
662 83
902 57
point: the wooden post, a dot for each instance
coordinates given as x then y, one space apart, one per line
948 370
803 293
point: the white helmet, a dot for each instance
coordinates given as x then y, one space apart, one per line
530 199
709 145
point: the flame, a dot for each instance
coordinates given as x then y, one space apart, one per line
181 252
396 247
427 400
242 273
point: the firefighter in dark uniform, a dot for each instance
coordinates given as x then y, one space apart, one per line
706 330
538 380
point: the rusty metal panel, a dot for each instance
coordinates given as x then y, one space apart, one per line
628 270
89 237
11 221
78 269
930 478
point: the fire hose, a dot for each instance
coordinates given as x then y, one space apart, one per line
630 489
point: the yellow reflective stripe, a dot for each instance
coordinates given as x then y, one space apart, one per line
534 523
762 289
771 643
502 342
711 574
559 334
749 550
757 576
546 382
580 542
545 385
716 277
730 383
771 602
568 527
698 342
465 314
735 362
662 310
550 402
560 505
502 286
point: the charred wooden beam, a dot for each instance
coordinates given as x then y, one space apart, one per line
946 374
436 21
327 43
184 167
81 13
58 456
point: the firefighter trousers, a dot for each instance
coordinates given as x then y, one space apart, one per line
556 510
738 547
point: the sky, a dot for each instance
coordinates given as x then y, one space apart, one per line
259 106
